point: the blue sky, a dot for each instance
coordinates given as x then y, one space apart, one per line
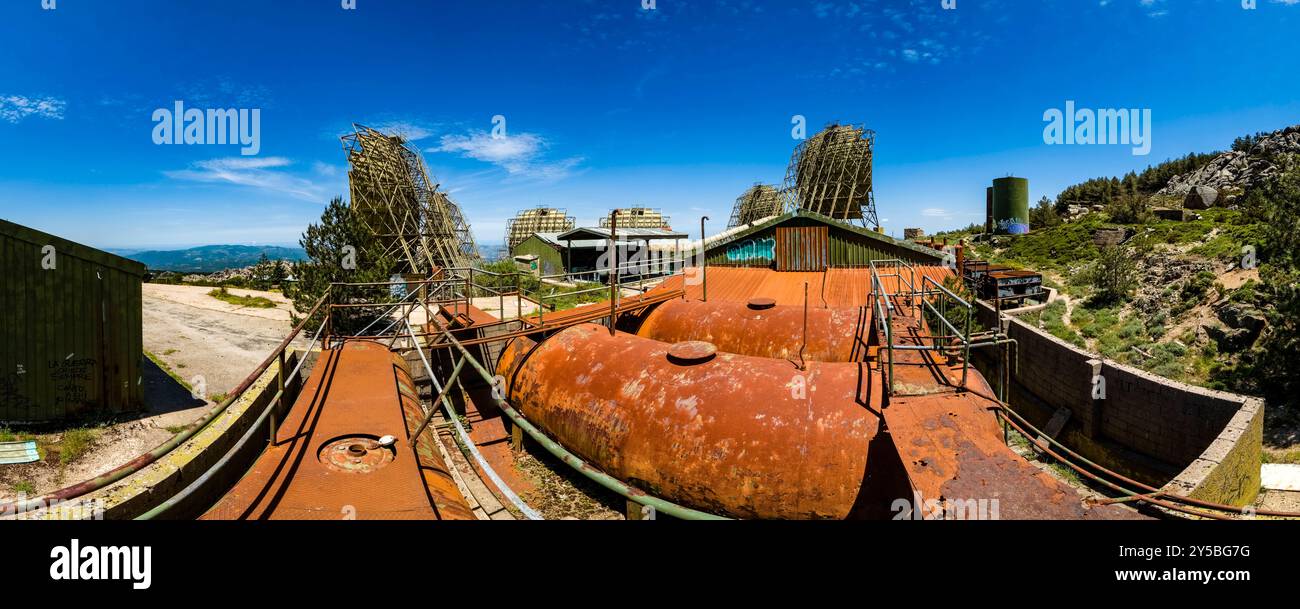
679 107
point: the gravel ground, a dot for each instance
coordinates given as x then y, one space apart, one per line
198 335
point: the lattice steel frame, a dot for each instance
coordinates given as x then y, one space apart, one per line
830 173
397 201
540 219
638 217
758 202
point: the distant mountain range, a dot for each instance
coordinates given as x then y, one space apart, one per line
212 258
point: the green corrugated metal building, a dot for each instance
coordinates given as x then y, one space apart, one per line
803 240
70 329
550 253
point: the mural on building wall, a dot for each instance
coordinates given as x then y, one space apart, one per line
752 249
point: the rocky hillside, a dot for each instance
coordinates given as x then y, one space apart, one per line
1197 307
1233 172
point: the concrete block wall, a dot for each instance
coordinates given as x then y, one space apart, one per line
1214 438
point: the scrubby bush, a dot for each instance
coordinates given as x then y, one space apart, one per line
1114 276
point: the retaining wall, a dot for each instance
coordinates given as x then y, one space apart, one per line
1194 441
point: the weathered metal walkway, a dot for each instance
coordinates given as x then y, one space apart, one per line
952 447
345 452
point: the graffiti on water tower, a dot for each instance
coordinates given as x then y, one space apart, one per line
1012 226
752 249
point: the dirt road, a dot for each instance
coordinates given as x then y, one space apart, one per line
202 338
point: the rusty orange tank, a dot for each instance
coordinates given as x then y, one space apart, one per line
763 328
744 436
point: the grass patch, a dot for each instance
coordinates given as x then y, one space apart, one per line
24 487
257 302
168 369
564 297
175 429
1052 319
1281 456
218 397
75 443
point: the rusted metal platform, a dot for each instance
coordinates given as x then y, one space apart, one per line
952 447
329 460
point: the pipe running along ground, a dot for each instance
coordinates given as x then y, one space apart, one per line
577 463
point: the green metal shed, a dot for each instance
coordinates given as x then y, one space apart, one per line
549 252
70 329
804 240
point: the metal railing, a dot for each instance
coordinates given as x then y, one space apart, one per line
273 405
458 288
933 298
577 463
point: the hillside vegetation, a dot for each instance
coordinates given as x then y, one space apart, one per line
1212 300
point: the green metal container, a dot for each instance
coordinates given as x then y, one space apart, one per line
1011 206
70 329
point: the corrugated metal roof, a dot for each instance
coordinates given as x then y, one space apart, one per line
804 213
650 233
71 248
557 240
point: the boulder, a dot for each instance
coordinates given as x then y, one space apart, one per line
1242 317
1105 237
1200 197
1230 340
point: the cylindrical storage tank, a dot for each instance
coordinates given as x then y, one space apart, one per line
761 329
748 437
1011 206
988 209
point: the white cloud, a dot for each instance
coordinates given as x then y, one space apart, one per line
520 155
14 108
411 131
255 172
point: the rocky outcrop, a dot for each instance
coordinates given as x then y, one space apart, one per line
1106 237
1242 326
1200 197
1235 171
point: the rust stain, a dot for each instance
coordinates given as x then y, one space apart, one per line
357 394
834 335
746 436
833 288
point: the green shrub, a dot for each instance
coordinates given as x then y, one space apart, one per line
1114 276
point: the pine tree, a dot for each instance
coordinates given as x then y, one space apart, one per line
340 249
